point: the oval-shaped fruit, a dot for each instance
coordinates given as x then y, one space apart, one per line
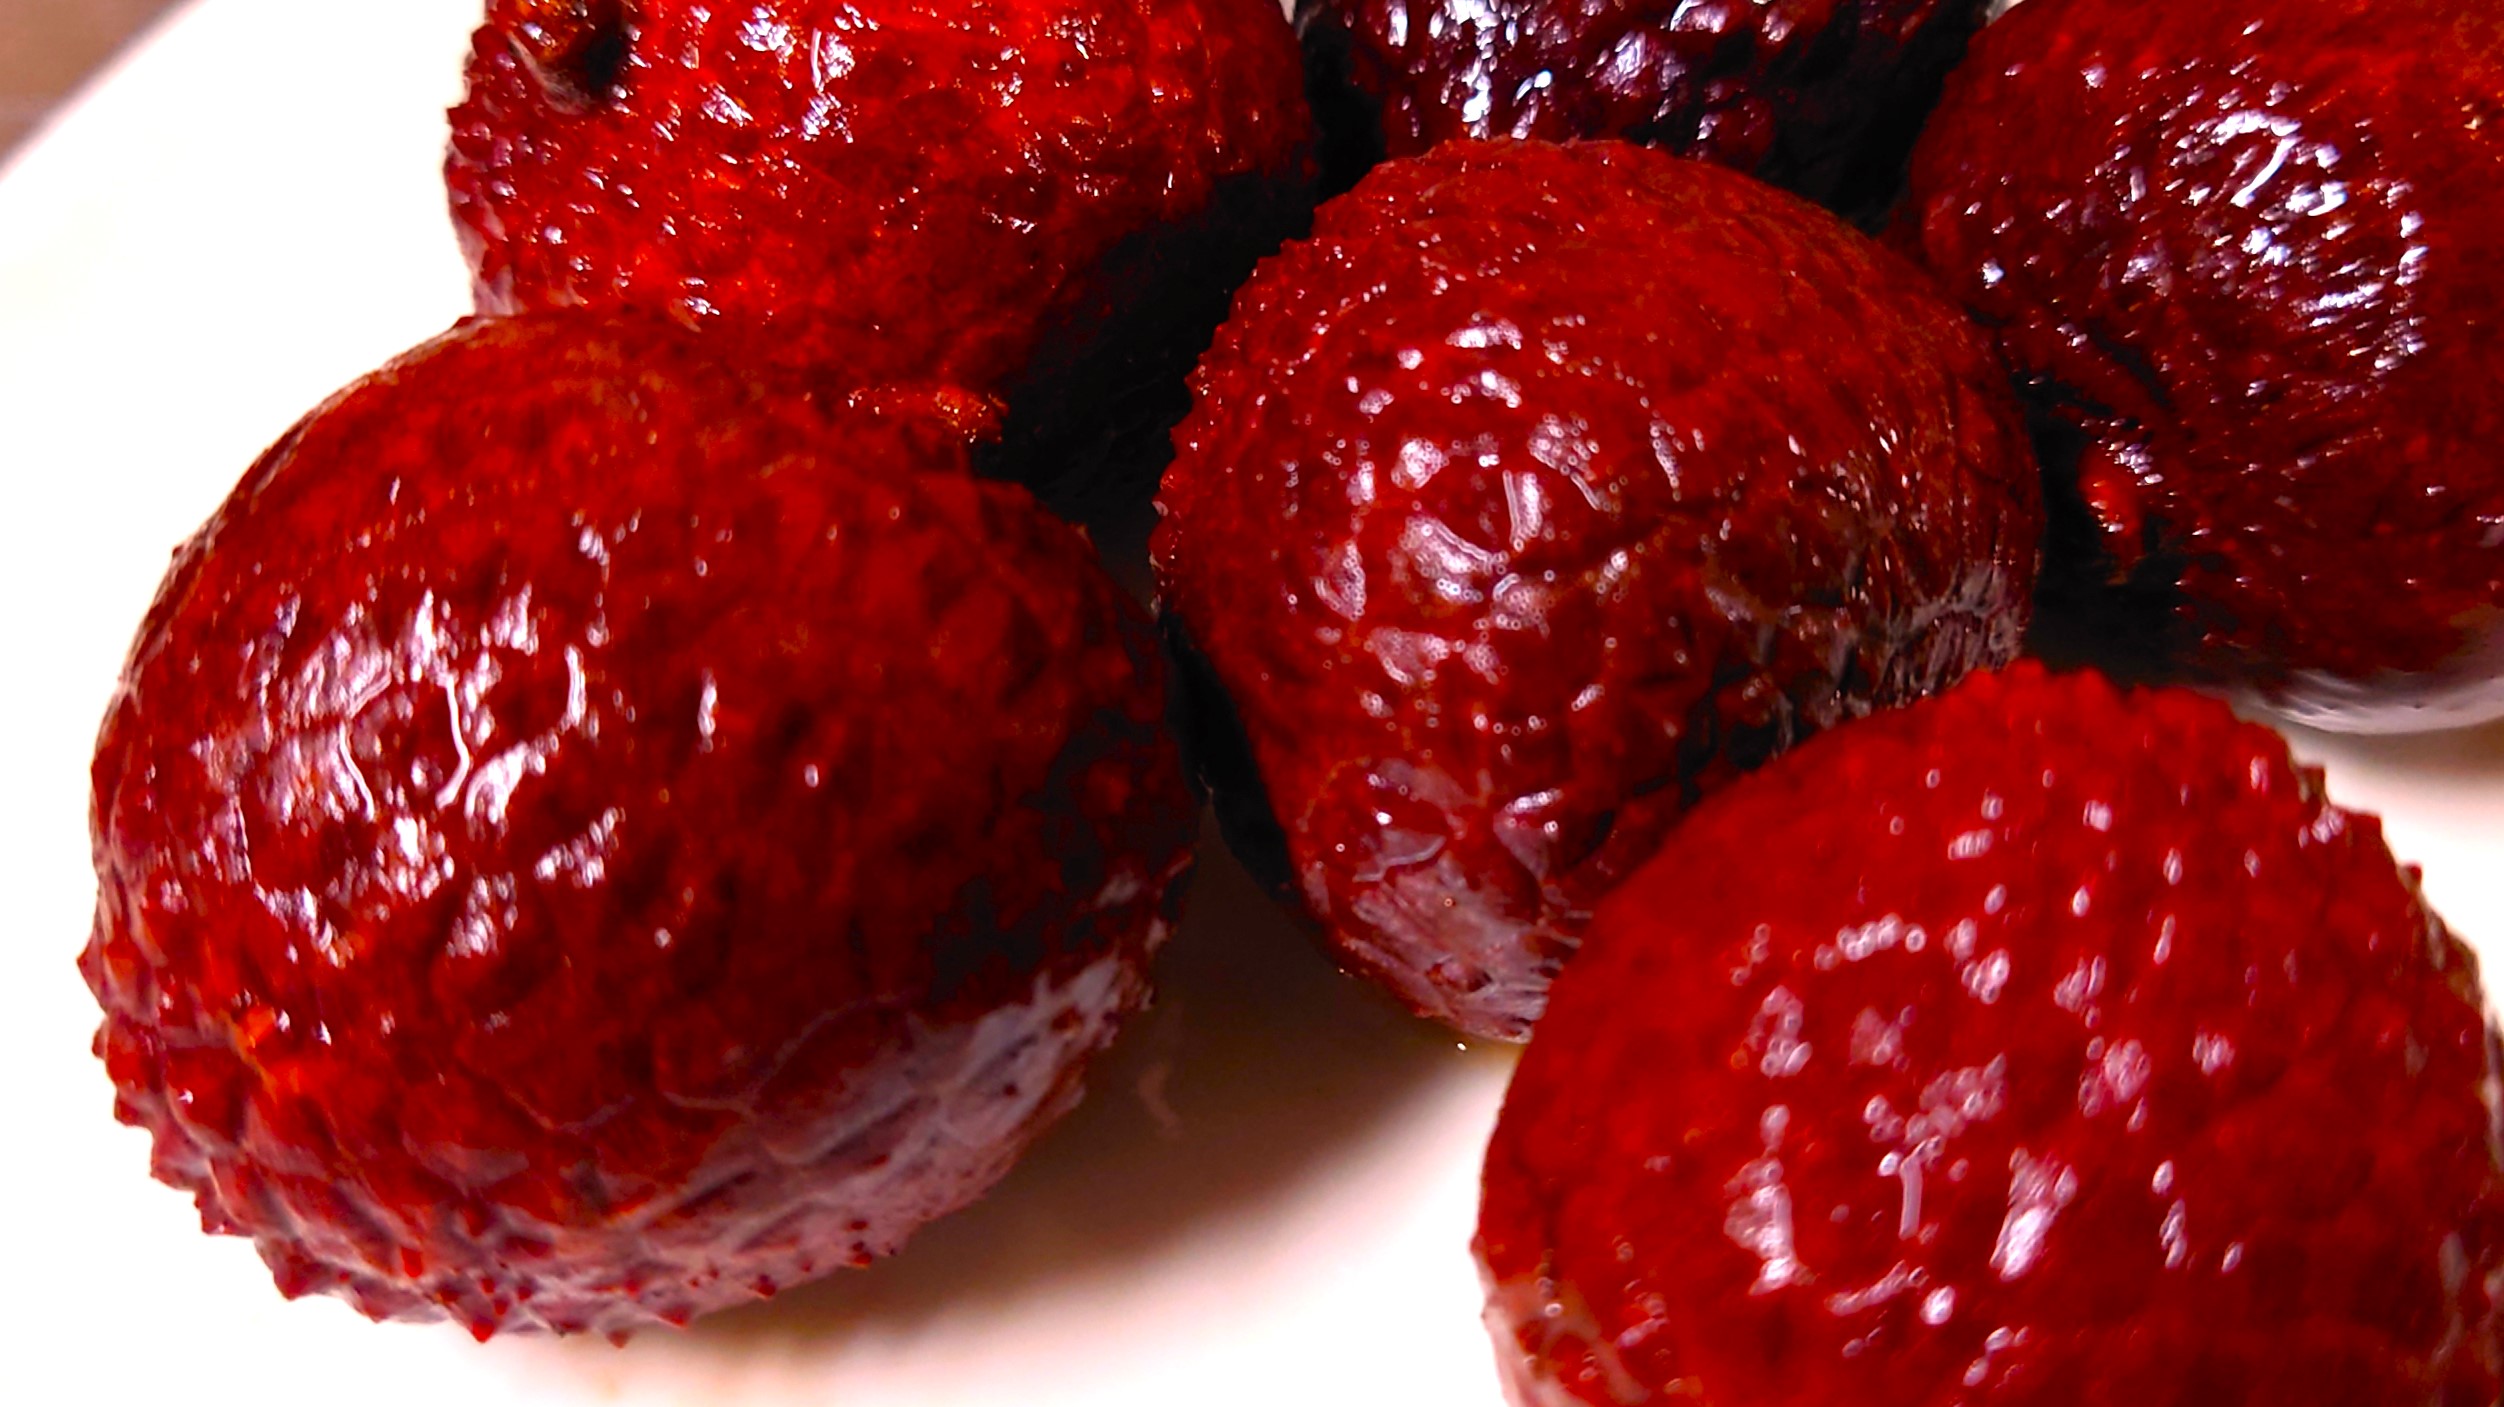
1046 201
2254 251
580 846
2036 1045
1546 488
1823 97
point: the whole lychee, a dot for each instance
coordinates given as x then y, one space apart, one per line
582 842
1543 490
2038 1044
2252 254
1046 202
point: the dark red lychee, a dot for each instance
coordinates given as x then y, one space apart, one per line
1822 97
2036 1046
1543 490
582 844
2252 253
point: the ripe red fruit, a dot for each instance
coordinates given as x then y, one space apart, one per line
537 885
1544 489
1045 201
2038 1044
1822 97
2254 251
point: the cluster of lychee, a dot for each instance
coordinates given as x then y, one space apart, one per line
645 800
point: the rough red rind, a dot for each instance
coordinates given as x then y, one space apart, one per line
1547 487
2182 1094
1823 97
2254 250
1045 201
580 846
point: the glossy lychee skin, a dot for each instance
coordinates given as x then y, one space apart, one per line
2253 251
1822 97
1048 202
2038 1044
1543 490
536 886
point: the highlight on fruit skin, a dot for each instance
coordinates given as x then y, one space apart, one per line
1047 201
2251 255
1542 491
2037 1044
584 840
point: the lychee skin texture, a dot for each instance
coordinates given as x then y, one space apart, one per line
1822 97
1545 489
2035 1045
1048 201
2254 251
580 847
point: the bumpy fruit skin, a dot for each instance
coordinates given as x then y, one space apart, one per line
2254 251
579 847
1047 201
2036 1045
1823 97
1546 488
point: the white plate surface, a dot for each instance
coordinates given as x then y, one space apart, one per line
1266 1199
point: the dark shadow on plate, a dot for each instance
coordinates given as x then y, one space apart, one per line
1259 1066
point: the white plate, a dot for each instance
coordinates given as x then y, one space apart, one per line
1268 1196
